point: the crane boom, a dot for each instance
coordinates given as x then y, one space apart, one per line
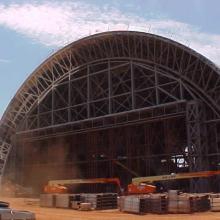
174 176
61 186
84 181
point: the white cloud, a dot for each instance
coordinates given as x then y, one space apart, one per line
4 60
56 24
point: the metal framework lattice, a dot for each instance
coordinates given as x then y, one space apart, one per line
113 89
197 143
120 74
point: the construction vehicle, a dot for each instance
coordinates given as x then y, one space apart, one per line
139 185
61 186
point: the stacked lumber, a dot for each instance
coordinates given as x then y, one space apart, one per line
101 201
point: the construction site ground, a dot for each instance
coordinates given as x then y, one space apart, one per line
68 214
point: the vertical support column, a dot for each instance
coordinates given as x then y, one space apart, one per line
69 99
111 150
213 143
109 88
147 149
38 114
132 85
197 144
88 93
129 145
156 85
214 154
52 110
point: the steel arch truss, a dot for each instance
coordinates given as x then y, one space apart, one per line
120 86
110 73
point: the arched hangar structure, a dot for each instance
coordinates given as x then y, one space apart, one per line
115 104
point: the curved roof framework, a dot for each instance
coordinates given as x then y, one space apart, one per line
153 57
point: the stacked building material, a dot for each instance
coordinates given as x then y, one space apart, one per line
173 201
76 197
200 203
151 203
180 204
187 203
75 205
131 204
157 203
66 200
48 200
85 206
62 201
101 201
145 204
215 202
184 204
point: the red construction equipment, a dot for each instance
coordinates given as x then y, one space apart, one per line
61 186
139 185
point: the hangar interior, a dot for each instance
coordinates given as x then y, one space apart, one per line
116 104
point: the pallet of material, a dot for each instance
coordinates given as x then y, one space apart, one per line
85 206
75 205
48 200
62 201
58 200
145 204
101 201
65 200
180 205
215 202
130 204
157 203
187 203
200 203
151 203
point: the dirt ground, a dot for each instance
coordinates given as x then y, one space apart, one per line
64 214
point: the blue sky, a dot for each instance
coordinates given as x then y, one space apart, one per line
30 31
